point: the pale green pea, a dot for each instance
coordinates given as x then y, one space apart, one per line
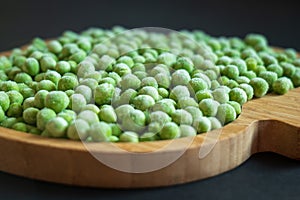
180 77
89 116
46 85
68 115
2 115
151 91
209 107
130 81
170 131
149 81
163 80
127 96
9 85
260 86
47 63
179 92
39 98
165 105
215 123
129 136
52 76
158 69
281 85
30 115
77 102
43 116
187 131
127 60
14 110
78 56
85 91
15 97
226 113
181 116
57 127
4 101
237 106
23 78
164 93
85 68
108 80
143 102
135 121
197 84
7 122
184 63
91 107
57 101
248 89
116 130
78 130
91 83
103 93
63 67
166 58
220 95
122 69
67 83
107 114
238 95
54 46
20 126
100 132
31 66
202 124
187 101
123 111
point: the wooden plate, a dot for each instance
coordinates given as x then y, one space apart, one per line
271 123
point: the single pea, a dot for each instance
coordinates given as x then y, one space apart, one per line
160 117
7 122
139 67
30 115
161 68
288 69
215 123
260 86
151 91
2 115
85 91
67 83
15 97
129 136
14 110
127 60
20 126
46 85
209 107
240 64
100 132
115 129
238 95
231 71
85 68
57 101
89 116
166 58
179 92
202 124
181 116
170 131
148 136
4 101
47 62
165 105
276 68
251 63
281 85
296 78
237 106
164 93
43 116
52 76
226 113
180 77
107 114
163 80
23 78
68 115
122 69
248 89
197 84
242 79
77 102
130 81
78 130
135 121
91 83
28 103
91 107
187 131
123 111
116 77
63 67
57 127
54 46
31 66
9 85
270 77
103 93
187 101
220 95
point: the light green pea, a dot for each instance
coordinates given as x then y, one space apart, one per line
170 131
57 101
85 91
181 116
281 85
164 93
226 113
31 66
30 115
135 121
238 95
215 123
165 105
166 58
107 114
7 122
47 62
237 106
180 77
123 111
209 107
39 98
179 92
122 69
67 83
68 115
91 83
260 86
23 78
15 97
89 116
149 81
78 130
46 85
104 93
43 116
187 101
63 67
184 63
163 80
129 136
9 85
220 95
57 127
14 110
77 102
54 46
52 76
85 68
202 124
130 81
20 126
100 132
4 101
187 131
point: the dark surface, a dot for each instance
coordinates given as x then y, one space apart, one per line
264 176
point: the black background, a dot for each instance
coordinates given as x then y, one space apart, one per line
264 176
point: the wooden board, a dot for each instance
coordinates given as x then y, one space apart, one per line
271 123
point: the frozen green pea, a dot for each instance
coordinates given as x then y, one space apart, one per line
57 127
47 62
143 102
268 59
108 80
203 94
180 77
106 63
127 60
165 105
161 68
84 44
129 136
166 58
4 101
115 77
197 84
91 107
85 91
181 116
19 61
184 63
296 78
209 107
194 111
68 115
88 116
204 77
288 69
220 95
15 97
27 92
5 63
54 46
179 92
7 122
43 116
103 93
122 69
149 81
202 124
20 126
248 89
251 63
187 101
9 85
211 74
231 71
148 136
52 76
138 59
123 111
226 113
135 121
260 86
126 97
30 115
15 110
78 130
163 80
237 107
115 129
238 95
139 67
31 66
281 85
151 91
107 114
270 77
23 78
78 56
11 73
242 79
164 93
39 98
130 81
85 68
160 117
232 84
140 75
276 68
240 64
63 67
46 85
155 127
224 60
77 102
187 131
67 83
170 131
57 101
91 83
100 132
3 76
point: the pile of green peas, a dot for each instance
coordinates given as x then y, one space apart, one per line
123 85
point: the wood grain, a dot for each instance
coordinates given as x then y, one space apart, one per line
271 123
